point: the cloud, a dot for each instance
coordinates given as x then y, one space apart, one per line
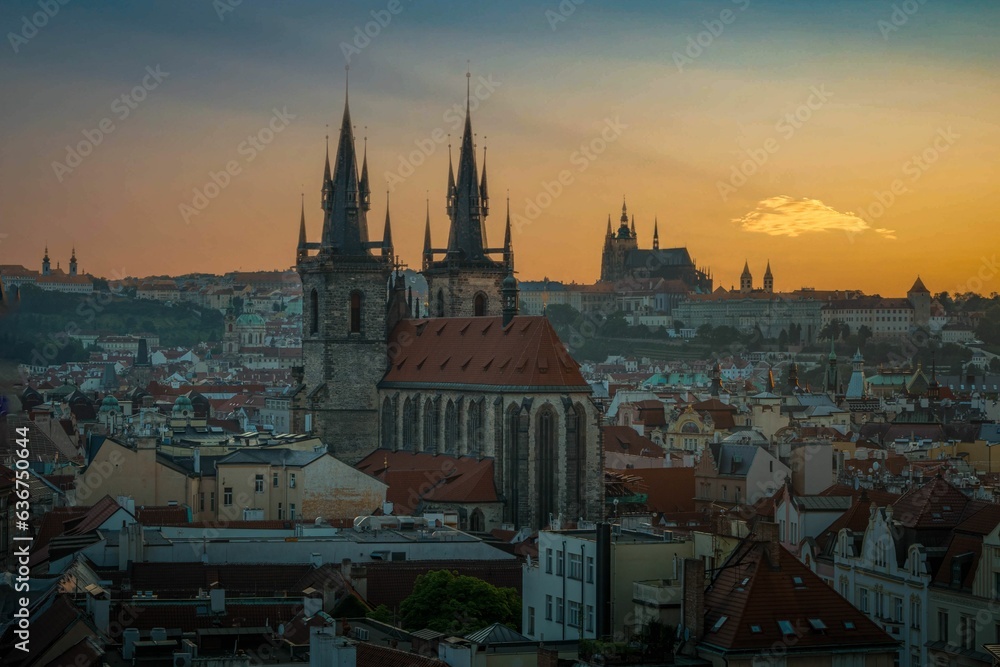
787 216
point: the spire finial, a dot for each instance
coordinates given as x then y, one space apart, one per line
468 83
347 81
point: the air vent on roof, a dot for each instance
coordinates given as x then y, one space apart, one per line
445 362
464 329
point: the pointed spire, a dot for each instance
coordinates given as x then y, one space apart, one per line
508 248
746 268
634 235
366 191
656 234
428 251
624 218
609 225
301 251
484 195
467 234
767 273
387 232
451 182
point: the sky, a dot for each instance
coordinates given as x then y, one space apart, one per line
852 144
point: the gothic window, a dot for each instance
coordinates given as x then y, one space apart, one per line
450 428
314 312
477 522
355 312
388 425
479 304
440 303
430 427
546 450
409 424
476 423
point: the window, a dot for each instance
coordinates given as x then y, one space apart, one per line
274 480
559 610
258 484
725 493
879 604
291 480
576 566
817 624
281 512
942 626
559 563
574 614
548 607
844 589
548 561
996 585
590 619
314 312
479 305
719 623
756 629
227 496
291 511
915 613
864 600
786 627
781 530
211 501
967 632
531 621
355 312
590 569
898 609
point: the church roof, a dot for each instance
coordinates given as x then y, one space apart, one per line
652 259
481 352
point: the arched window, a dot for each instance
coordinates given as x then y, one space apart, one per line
440 303
545 469
409 424
450 428
477 522
479 304
388 425
430 427
355 312
230 326
314 312
476 422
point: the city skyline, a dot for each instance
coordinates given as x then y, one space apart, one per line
838 152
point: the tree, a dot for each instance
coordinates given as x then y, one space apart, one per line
994 365
988 329
782 339
864 333
448 602
830 330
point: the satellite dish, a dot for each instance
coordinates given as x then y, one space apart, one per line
875 466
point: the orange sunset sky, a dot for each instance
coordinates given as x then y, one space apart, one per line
906 102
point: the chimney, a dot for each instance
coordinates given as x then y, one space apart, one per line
767 534
548 657
316 559
123 547
693 612
129 638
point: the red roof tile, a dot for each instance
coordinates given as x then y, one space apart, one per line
935 505
416 476
163 515
373 655
481 351
669 490
755 594
626 440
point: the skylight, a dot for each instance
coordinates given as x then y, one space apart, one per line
817 624
798 582
786 627
756 629
719 623
848 625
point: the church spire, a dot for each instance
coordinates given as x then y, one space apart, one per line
656 234
428 251
609 226
624 218
467 236
484 194
387 231
451 183
345 225
301 249
634 235
365 189
508 247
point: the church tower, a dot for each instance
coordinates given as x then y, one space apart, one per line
345 278
466 281
72 262
46 264
768 280
617 246
746 279
920 297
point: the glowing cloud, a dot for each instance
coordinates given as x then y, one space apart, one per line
787 216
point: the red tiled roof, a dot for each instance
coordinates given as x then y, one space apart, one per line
416 476
626 440
936 505
481 351
391 582
757 594
46 629
880 497
669 490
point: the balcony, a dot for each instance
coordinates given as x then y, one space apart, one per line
657 593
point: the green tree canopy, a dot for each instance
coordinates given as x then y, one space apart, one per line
448 602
